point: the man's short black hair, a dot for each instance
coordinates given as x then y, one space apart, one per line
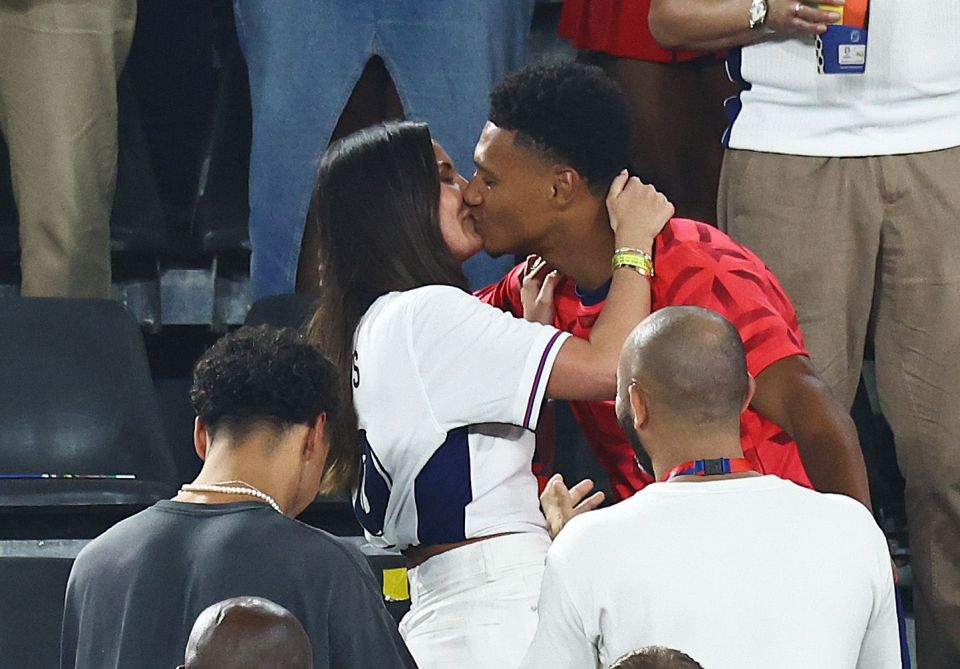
263 374
571 112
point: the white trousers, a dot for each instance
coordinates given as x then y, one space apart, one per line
476 606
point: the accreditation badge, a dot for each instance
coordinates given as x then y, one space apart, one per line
842 49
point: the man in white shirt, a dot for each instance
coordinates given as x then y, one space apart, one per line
737 569
846 185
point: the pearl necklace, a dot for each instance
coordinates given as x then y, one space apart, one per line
243 489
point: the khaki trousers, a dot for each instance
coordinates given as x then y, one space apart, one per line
858 241
59 64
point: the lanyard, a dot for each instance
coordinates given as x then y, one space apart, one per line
710 467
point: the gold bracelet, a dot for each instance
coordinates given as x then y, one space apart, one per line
630 249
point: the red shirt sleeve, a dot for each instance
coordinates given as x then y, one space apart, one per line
505 294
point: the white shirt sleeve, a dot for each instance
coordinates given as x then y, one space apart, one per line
881 641
561 640
476 363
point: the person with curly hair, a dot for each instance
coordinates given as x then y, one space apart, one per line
571 122
264 398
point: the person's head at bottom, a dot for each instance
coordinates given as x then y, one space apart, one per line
247 633
656 657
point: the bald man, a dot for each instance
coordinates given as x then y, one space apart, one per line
656 657
737 568
247 633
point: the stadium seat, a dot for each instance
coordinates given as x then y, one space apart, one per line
138 223
32 590
76 398
9 223
221 211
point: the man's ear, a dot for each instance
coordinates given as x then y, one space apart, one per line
566 182
201 438
316 445
638 404
751 391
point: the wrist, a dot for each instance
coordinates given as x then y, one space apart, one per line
642 243
633 259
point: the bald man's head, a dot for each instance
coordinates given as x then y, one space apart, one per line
656 657
689 366
248 633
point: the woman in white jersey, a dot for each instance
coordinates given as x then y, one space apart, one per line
447 390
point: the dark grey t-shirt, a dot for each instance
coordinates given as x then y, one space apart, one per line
135 591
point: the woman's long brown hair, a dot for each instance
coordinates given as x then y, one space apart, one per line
376 205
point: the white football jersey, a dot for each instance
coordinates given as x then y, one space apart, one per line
447 392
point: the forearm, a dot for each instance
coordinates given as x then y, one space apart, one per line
831 455
587 369
708 25
702 25
791 393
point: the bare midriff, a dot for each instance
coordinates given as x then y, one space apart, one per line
417 555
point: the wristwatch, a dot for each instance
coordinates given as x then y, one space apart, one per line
758 13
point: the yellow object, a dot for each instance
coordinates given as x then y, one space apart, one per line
832 8
395 586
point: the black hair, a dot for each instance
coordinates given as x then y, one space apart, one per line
376 205
569 112
656 657
263 375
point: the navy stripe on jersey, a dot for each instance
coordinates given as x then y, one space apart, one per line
537 380
442 491
733 105
373 492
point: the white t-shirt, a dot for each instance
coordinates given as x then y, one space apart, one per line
448 392
749 573
906 101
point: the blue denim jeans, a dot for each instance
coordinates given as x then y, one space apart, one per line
305 57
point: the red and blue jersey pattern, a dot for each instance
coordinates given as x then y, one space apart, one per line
696 265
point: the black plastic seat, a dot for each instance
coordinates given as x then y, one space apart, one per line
76 398
9 221
282 311
32 591
138 223
221 209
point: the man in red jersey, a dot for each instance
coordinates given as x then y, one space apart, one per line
556 137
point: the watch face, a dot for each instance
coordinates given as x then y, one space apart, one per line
758 12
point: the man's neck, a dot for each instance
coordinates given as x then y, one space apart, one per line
582 251
693 448
234 466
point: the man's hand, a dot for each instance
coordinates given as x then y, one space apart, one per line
637 211
537 284
795 19
560 503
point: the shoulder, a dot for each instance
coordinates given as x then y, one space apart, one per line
427 299
337 552
415 308
687 239
590 536
121 537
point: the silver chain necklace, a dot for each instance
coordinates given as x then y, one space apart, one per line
225 488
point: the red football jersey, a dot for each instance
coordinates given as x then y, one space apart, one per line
696 265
